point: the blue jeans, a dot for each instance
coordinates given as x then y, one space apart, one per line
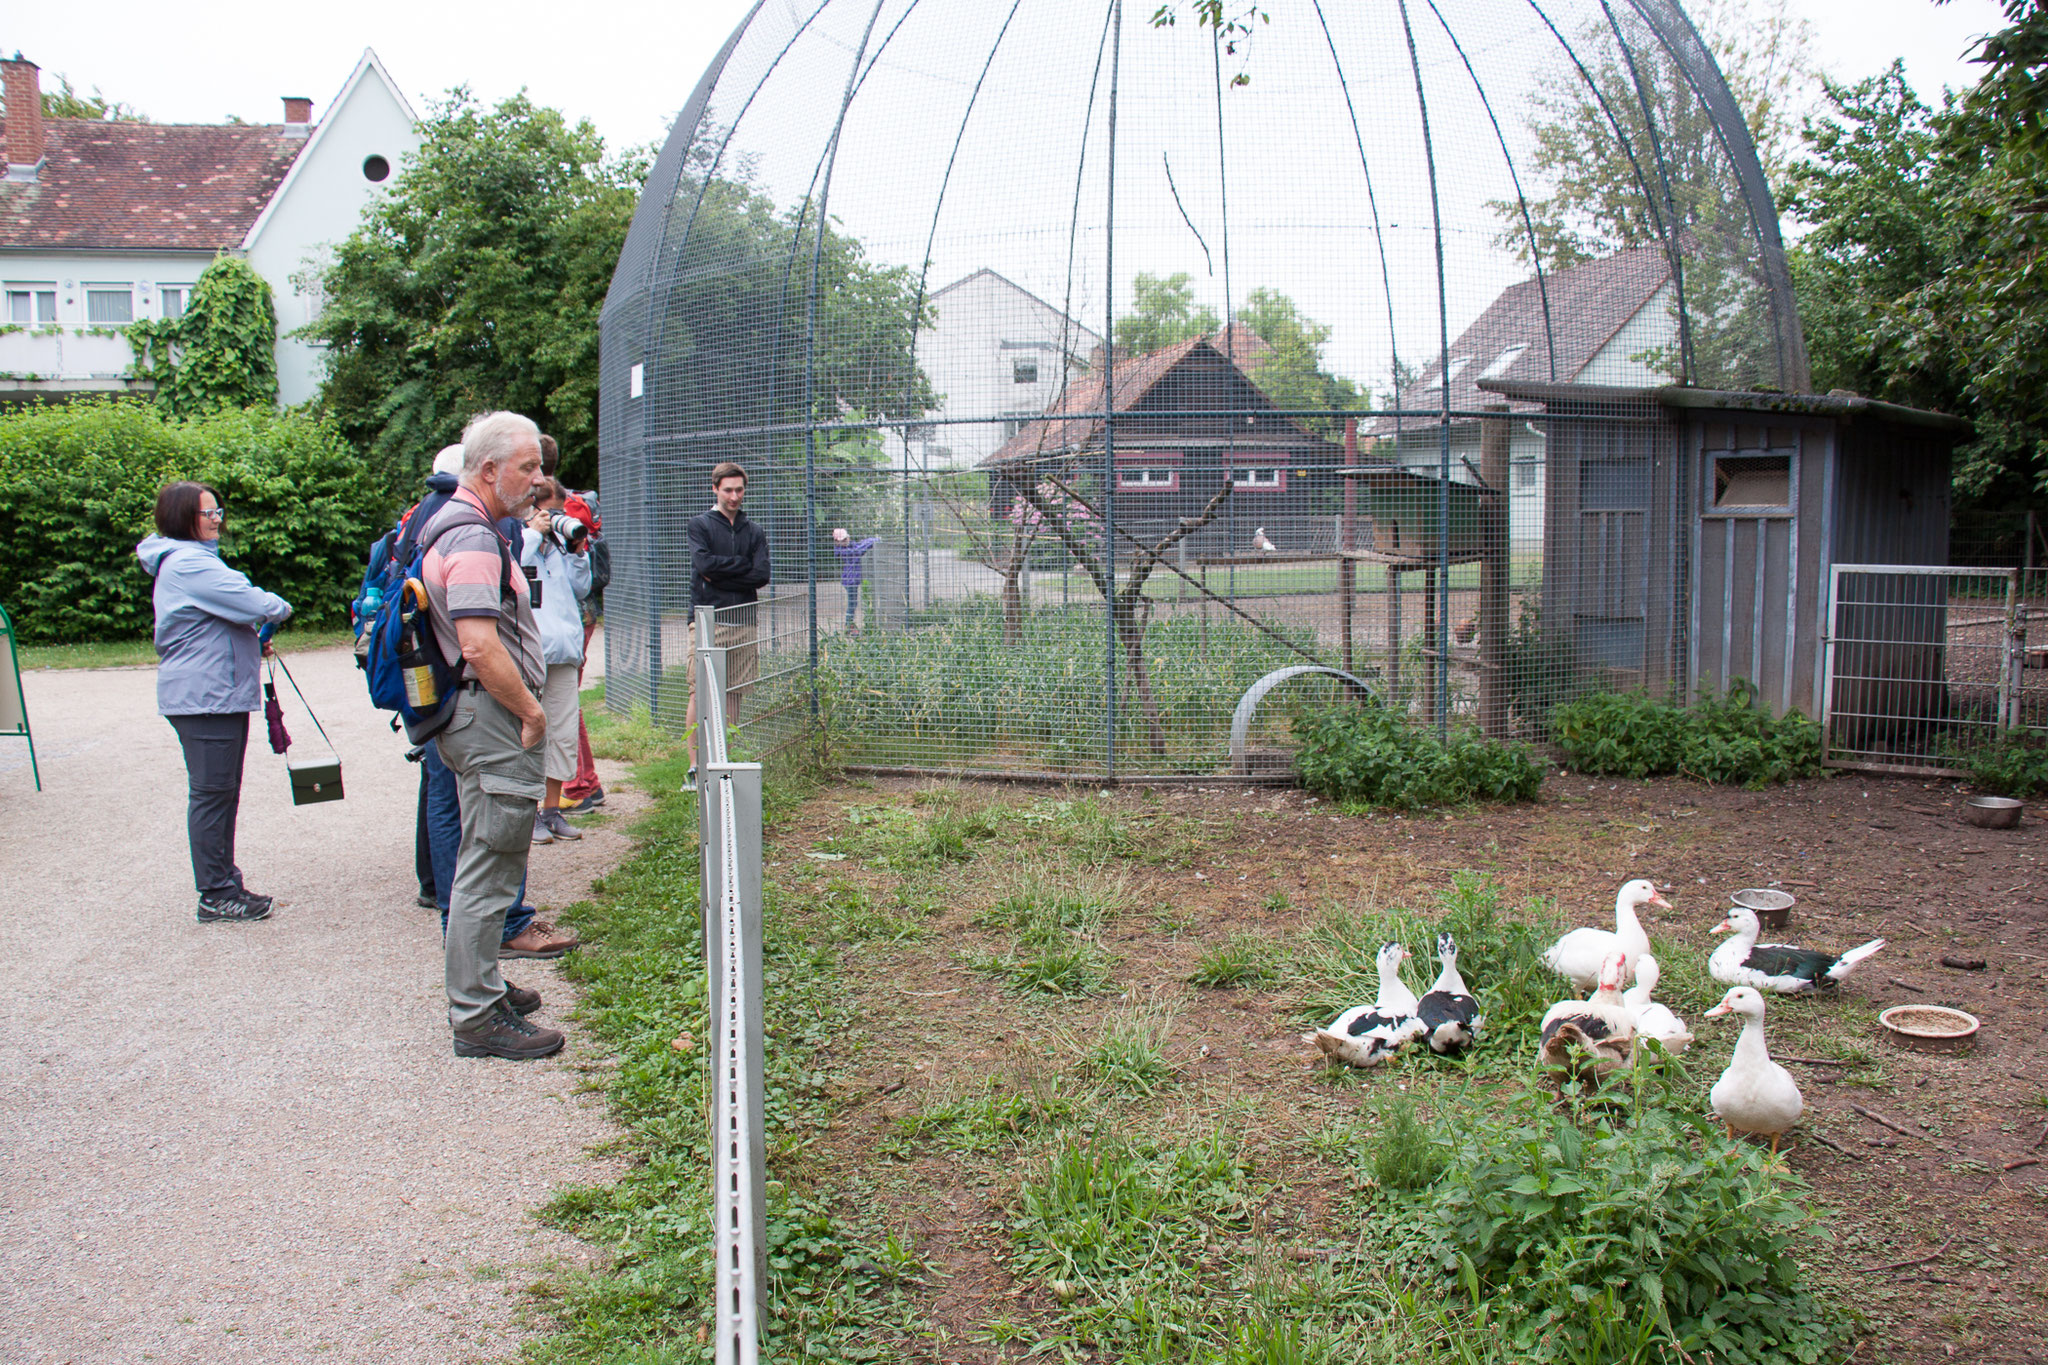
444 840
852 603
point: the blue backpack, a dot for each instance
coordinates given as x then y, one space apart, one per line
395 645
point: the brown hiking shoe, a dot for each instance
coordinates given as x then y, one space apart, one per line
506 1035
538 940
521 1000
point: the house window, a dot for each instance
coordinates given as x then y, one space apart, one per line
109 303
31 303
1024 371
1524 476
1753 482
1155 479
1503 362
1256 476
175 297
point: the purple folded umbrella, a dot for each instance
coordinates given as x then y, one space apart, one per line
273 716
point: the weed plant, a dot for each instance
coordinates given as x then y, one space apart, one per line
1241 960
1128 1055
1727 739
905 839
1076 967
990 1116
1404 1156
1371 755
1045 908
2014 763
1629 1232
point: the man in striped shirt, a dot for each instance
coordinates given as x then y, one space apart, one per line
480 608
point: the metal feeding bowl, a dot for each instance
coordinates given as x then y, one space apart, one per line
1772 908
1930 1028
1993 812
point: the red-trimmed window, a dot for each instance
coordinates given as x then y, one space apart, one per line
1147 478
1258 478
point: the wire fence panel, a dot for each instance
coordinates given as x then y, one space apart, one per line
1926 665
1134 365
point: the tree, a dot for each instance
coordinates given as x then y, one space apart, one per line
65 102
221 352
1163 313
1290 371
477 284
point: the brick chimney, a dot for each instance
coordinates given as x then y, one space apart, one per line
24 117
298 109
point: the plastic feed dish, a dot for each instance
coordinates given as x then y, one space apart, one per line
1930 1028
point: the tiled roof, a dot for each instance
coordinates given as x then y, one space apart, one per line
146 186
1058 432
1589 303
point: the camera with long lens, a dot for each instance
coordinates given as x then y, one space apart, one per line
569 531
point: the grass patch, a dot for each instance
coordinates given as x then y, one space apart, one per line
905 839
641 974
1241 960
1073 967
1128 1054
631 738
1046 908
141 653
990 1116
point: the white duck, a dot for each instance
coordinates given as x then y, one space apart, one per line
1777 967
1653 1020
1593 1035
1448 1012
1578 954
1366 1035
1755 1094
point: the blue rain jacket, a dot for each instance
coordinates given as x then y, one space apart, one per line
206 619
565 582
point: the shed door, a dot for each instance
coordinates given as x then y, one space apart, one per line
1608 609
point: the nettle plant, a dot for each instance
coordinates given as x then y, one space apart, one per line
1719 739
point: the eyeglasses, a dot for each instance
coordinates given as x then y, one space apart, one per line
213 513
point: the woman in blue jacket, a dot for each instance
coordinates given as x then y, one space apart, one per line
207 615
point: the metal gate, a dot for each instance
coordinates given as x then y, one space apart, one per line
1925 664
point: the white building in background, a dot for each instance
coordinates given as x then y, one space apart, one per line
103 223
997 354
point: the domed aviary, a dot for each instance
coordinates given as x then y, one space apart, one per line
1082 316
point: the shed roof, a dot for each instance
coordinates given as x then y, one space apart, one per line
1839 404
109 186
1587 305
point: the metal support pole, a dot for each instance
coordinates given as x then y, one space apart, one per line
732 864
1493 573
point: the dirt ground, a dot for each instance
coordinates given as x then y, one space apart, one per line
1940 1230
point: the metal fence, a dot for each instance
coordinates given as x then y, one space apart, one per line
1131 382
1926 665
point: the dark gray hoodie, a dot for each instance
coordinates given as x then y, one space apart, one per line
206 619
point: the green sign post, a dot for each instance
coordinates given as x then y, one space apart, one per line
13 702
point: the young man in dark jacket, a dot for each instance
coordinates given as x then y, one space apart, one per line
728 567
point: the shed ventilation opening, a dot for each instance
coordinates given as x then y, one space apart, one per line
1752 481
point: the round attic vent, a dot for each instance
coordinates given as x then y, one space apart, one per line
376 168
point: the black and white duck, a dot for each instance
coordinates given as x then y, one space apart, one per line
1366 1035
1777 967
1755 1094
1591 1036
1449 1014
1578 954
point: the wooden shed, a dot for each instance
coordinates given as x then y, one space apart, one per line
1690 535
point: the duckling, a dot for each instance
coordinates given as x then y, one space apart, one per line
1448 1011
1755 1094
1777 967
1366 1035
1654 1021
1578 954
1590 1036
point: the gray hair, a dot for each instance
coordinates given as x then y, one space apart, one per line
493 438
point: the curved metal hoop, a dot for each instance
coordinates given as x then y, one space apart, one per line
1248 704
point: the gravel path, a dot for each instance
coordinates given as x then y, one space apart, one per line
253 1142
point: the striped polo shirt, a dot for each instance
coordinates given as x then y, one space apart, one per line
463 572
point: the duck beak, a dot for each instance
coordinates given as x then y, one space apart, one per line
1658 900
1724 927
1722 1008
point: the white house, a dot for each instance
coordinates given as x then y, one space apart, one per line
1609 319
997 355
104 223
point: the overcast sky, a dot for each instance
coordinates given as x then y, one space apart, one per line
626 65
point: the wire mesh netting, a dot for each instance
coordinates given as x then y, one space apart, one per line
1136 364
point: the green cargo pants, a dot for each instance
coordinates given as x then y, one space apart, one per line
499 785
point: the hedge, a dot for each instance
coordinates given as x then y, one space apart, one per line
78 485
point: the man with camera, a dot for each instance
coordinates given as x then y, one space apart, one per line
728 567
555 558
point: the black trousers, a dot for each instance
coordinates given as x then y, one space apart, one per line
214 749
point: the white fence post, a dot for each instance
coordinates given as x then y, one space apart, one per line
729 823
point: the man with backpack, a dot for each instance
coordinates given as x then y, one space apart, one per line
480 612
